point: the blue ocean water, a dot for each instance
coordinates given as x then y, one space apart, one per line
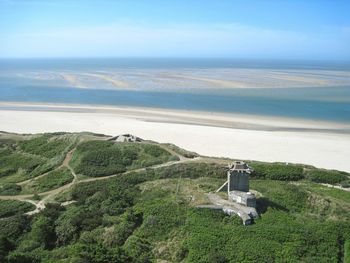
161 63
325 103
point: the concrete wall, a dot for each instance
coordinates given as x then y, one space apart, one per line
238 181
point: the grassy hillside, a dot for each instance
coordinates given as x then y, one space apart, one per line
25 157
146 212
49 181
102 158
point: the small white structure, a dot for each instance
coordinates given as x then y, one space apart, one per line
127 138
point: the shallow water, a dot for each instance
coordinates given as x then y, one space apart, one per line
328 102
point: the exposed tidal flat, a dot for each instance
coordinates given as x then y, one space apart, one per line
287 89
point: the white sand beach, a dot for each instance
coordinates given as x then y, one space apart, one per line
322 144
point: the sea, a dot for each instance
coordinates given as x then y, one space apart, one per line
35 80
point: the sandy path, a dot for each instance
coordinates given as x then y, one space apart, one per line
40 205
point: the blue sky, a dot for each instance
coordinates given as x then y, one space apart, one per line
289 29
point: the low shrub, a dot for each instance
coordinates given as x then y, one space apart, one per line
326 177
10 189
52 180
102 158
279 172
45 145
12 207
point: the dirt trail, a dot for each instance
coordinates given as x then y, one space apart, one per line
49 194
140 170
337 187
64 164
181 157
40 204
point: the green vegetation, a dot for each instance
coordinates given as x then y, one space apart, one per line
16 166
328 191
327 177
11 207
102 158
149 215
25 157
292 172
276 171
10 189
50 181
347 251
46 145
181 151
284 196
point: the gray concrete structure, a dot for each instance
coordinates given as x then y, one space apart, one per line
247 214
244 198
237 178
239 200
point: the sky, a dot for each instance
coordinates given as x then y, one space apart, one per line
266 29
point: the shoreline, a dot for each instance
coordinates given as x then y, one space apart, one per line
237 136
202 118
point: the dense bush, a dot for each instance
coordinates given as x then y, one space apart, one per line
280 195
13 227
327 177
138 227
129 219
105 161
7 143
160 218
192 170
347 251
10 189
280 172
101 158
276 237
139 249
13 162
12 207
154 150
45 145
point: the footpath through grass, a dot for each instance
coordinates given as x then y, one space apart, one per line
52 180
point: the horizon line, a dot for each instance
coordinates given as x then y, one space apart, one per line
181 58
